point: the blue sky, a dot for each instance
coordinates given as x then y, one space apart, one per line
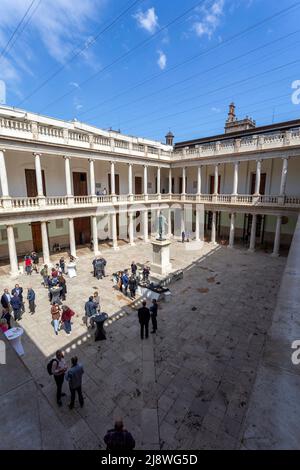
164 64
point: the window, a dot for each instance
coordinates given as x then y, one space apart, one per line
3 233
59 223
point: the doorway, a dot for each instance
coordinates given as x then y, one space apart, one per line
117 184
212 184
82 225
31 188
262 186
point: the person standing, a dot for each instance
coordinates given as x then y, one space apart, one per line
44 273
19 291
153 313
125 281
90 311
62 265
59 368
31 300
133 268
74 377
66 316
183 237
119 438
62 283
16 305
132 286
28 265
96 299
55 313
144 317
35 261
5 299
7 316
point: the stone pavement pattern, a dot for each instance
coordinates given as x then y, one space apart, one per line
189 386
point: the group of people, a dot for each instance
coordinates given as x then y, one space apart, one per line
31 262
99 264
128 280
60 371
12 302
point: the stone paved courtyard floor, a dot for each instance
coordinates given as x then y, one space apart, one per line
188 386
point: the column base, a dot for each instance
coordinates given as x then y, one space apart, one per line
115 247
251 250
132 243
275 255
231 247
14 274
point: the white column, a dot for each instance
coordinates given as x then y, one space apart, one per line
199 180
68 176
214 228
38 173
45 244
145 226
145 180
113 219
257 177
12 250
95 235
158 180
72 238
253 233
216 182
3 175
182 224
277 237
232 228
131 229
235 179
92 178
170 181
283 176
183 180
130 179
197 228
169 223
112 178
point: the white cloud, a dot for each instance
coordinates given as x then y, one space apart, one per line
58 25
162 60
74 84
210 19
147 20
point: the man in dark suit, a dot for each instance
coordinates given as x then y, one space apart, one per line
19 291
144 317
5 299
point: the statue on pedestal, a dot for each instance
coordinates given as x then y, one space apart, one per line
162 223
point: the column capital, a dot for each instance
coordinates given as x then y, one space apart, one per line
285 158
91 160
146 165
2 150
66 157
37 154
236 162
130 164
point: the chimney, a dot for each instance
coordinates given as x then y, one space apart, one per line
169 138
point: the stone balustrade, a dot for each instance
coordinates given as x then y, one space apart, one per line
23 204
124 145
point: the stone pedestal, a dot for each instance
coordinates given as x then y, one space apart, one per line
161 257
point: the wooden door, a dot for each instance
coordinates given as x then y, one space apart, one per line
180 184
31 187
82 227
37 236
138 185
262 186
117 184
80 184
212 184
31 184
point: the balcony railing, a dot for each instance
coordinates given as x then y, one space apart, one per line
52 202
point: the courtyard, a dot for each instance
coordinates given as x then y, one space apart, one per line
188 386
